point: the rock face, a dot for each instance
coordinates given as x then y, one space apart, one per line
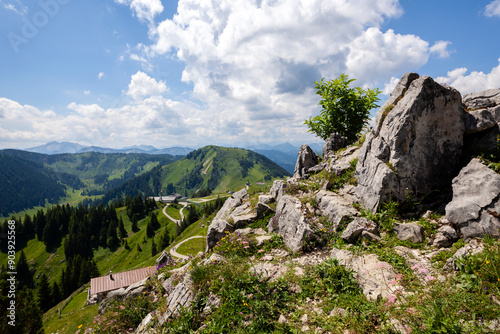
277 190
235 213
334 143
415 144
482 119
475 207
306 159
290 222
445 237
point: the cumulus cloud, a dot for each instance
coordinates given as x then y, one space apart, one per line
100 75
492 9
142 85
375 54
441 49
145 10
474 81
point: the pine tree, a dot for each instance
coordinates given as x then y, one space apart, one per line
149 230
122 232
164 240
154 221
139 248
55 293
28 314
112 238
23 272
134 224
153 247
43 294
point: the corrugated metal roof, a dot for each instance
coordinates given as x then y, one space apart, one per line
119 280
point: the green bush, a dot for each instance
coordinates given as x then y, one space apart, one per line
345 109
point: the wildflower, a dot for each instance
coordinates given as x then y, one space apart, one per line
260 251
80 326
430 278
246 247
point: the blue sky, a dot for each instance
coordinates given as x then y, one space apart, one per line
118 73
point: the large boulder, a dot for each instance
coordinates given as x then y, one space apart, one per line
475 207
415 144
235 213
357 226
482 120
290 222
412 232
334 207
306 159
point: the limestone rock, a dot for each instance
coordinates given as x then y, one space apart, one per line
483 120
277 189
235 213
213 303
356 227
334 206
180 298
144 326
165 258
268 270
306 159
334 143
214 259
412 232
341 161
267 199
376 278
370 236
475 207
290 222
415 144
445 237
472 248
263 209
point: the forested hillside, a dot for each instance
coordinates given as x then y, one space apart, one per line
24 185
209 169
93 173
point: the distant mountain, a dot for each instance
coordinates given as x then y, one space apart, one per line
55 147
218 168
66 147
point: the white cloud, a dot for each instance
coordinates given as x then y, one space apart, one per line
142 85
145 10
86 92
375 54
493 9
474 82
100 75
441 49
19 8
389 86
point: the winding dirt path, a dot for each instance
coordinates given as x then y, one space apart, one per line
178 222
174 253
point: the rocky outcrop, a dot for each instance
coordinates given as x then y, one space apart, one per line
290 222
334 206
472 248
376 278
475 207
445 237
277 190
306 159
415 144
181 298
235 213
357 226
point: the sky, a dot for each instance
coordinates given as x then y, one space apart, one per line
117 73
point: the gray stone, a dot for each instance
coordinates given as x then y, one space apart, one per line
235 213
165 258
411 232
144 326
481 100
213 303
376 278
334 143
268 270
475 207
181 298
445 237
262 239
478 121
416 143
306 159
277 189
342 160
356 227
334 206
370 236
471 248
267 199
214 259
263 209
290 222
